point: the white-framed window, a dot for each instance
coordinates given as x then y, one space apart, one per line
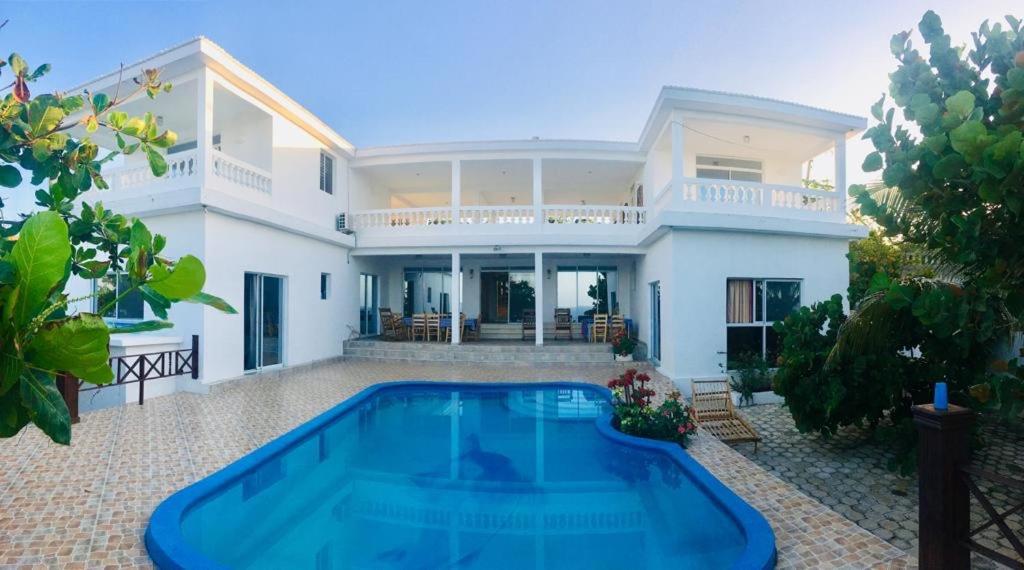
108 289
752 306
325 285
326 172
724 168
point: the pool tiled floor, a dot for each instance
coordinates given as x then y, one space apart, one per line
87 505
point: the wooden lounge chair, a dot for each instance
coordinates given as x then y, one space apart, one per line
419 326
529 322
563 323
387 324
714 411
599 328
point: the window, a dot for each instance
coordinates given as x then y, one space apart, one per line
109 289
420 286
720 168
588 289
751 307
326 172
325 285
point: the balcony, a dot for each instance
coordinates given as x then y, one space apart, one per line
751 199
184 171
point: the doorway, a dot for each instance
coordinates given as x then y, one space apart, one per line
368 304
656 321
264 321
505 293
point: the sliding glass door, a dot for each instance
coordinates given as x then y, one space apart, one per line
504 294
264 321
368 304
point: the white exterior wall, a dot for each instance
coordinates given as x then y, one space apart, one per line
701 264
314 329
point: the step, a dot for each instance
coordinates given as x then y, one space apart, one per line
511 353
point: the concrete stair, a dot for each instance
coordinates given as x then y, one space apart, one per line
501 352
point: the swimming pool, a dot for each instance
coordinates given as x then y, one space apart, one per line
457 475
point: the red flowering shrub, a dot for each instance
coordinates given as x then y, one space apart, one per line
634 414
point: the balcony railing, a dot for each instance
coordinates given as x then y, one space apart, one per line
752 198
239 172
498 215
183 169
180 166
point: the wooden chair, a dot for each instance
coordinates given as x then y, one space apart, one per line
479 322
387 324
618 324
462 327
529 322
400 326
599 328
419 326
433 326
713 410
563 322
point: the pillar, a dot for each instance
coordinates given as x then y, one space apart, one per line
456 297
538 295
840 152
678 162
204 125
538 194
456 190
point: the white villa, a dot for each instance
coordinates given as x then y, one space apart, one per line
700 232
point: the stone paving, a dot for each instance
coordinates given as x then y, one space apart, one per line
848 474
87 505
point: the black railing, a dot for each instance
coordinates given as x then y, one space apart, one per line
136 369
970 476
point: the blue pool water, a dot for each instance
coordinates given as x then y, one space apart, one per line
441 475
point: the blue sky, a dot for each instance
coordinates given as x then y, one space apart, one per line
399 72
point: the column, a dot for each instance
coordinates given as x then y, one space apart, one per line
204 125
538 295
944 513
538 194
456 297
840 152
456 189
678 161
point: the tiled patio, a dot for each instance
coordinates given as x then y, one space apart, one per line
87 505
848 473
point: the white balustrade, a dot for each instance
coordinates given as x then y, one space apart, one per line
731 196
496 215
180 165
401 218
595 214
240 172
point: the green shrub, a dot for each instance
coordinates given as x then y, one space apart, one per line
751 375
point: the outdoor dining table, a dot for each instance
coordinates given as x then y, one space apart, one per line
585 323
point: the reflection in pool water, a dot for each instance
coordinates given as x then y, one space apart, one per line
466 476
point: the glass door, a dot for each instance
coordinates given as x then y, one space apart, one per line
494 296
521 294
656 321
263 328
368 304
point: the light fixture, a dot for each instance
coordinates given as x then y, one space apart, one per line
549 273
746 139
470 272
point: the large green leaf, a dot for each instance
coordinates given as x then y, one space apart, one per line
78 345
10 176
212 301
184 280
13 415
143 326
45 405
10 371
40 259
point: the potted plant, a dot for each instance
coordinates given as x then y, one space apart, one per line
634 415
623 347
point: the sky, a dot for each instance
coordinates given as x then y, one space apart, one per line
383 73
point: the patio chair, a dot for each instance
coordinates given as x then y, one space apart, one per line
387 323
476 329
529 322
618 324
599 330
563 323
462 327
433 326
713 411
419 326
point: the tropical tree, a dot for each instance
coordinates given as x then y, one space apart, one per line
952 191
41 332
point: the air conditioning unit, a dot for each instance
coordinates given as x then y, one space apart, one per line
341 224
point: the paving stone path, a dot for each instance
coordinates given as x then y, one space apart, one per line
848 474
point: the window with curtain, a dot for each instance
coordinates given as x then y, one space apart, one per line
586 290
752 306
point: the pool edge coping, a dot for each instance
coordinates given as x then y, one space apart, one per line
171 550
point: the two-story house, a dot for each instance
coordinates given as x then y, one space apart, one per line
701 232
